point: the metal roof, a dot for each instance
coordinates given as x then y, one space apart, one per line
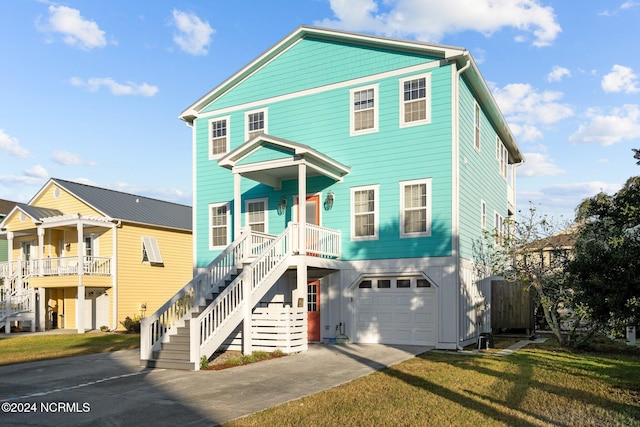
130 207
38 213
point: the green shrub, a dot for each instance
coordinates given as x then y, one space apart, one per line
132 325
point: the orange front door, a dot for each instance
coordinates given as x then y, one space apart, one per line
313 310
312 209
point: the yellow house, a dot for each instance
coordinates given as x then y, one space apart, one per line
85 258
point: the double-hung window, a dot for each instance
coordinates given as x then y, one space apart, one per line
502 156
500 228
256 214
364 213
218 137
483 214
415 208
219 225
364 110
415 102
256 123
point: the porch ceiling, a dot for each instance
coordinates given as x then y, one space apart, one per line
273 171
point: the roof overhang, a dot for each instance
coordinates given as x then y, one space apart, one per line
273 171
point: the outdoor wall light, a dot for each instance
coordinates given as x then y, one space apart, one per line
282 206
328 202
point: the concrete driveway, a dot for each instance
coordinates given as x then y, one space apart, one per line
111 389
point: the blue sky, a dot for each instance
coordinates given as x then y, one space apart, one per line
91 91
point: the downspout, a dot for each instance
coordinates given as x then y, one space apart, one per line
455 243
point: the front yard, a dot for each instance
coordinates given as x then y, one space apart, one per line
541 385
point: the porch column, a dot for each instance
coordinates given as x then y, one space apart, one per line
40 259
114 276
41 313
80 297
237 206
10 246
302 208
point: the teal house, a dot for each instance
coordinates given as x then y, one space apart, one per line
340 181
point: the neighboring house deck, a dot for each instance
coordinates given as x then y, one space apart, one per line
340 181
82 257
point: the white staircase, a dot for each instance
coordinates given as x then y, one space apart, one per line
197 319
17 301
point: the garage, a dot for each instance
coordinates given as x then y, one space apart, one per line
394 310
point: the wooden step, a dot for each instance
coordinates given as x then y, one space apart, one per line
176 346
169 364
171 355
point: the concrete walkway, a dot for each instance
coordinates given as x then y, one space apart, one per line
111 389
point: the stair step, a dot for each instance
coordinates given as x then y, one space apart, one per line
179 339
176 346
169 364
171 355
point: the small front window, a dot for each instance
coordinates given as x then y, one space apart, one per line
256 122
364 208
256 215
415 206
219 139
364 110
415 100
219 225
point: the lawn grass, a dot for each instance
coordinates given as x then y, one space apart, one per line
31 348
541 385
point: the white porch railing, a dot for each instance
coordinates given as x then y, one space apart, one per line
215 323
155 328
63 266
322 241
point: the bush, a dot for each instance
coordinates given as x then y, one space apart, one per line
132 325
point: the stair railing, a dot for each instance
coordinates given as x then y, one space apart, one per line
214 321
155 328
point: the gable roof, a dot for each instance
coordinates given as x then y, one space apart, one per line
6 206
451 54
129 207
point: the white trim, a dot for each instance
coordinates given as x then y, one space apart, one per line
265 212
402 102
376 109
265 129
427 232
227 119
228 224
376 212
321 89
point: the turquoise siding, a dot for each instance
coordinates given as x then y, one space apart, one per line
480 177
266 153
321 119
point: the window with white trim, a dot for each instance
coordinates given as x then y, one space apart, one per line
256 214
364 213
218 137
364 110
483 214
499 227
415 208
255 123
502 156
415 100
219 225
476 125
151 250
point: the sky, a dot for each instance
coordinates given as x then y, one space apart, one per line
91 91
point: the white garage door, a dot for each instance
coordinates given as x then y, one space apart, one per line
395 311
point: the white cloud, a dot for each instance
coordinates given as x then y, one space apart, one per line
430 20
75 29
539 164
557 73
620 79
69 159
11 145
36 172
129 88
194 35
608 128
526 109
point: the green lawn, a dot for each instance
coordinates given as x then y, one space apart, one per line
30 348
537 386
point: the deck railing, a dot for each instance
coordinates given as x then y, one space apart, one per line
62 266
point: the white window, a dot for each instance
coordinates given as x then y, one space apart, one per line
364 110
415 208
499 227
476 121
502 156
256 214
255 123
150 250
483 214
364 213
218 137
219 225
415 100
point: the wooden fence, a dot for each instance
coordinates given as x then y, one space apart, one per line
512 306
